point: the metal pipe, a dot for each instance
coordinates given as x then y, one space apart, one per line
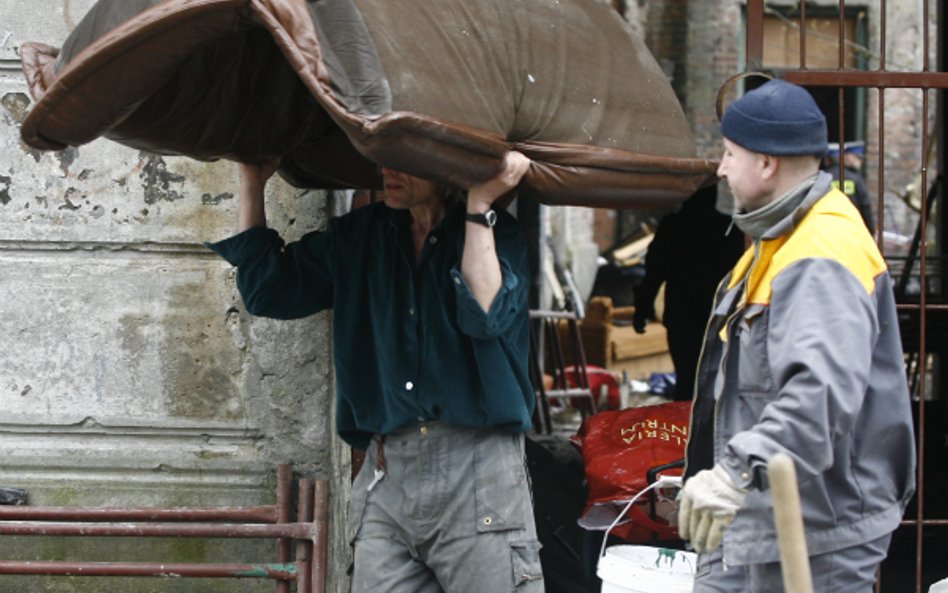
861 78
923 329
841 22
880 188
938 522
841 93
915 307
880 168
284 516
882 36
208 530
320 538
803 35
255 514
304 548
754 44
286 572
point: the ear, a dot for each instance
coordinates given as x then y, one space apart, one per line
769 165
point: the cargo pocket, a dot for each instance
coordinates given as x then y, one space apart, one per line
501 494
527 572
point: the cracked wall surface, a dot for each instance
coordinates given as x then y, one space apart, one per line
130 372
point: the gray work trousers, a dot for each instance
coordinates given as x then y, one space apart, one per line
850 570
452 514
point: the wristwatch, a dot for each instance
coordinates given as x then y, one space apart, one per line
487 219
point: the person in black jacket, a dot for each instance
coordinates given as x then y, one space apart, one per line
853 185
692 250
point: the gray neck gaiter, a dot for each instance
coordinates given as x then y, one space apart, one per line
758 222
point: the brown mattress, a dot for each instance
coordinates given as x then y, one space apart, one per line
437 88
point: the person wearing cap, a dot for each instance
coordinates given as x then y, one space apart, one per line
853 184
802 356
431 340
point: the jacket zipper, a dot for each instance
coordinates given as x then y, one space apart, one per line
701 354
694 388
722 369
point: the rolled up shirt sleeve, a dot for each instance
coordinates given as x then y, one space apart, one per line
279 280
504 309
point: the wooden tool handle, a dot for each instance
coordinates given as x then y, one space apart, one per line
794 561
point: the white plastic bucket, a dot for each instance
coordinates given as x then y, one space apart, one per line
646 569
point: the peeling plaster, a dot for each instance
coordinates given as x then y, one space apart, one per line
69 204
36 154
17 105
5 184
67 157
157 180
209 200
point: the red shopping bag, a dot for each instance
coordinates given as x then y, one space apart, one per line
622 451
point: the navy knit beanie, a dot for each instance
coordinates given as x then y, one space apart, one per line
778 118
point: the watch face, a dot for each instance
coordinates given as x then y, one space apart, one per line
491 217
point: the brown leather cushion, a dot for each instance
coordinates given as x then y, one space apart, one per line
438 89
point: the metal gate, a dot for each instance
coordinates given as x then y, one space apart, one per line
917 555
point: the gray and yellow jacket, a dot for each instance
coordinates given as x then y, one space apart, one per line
803 356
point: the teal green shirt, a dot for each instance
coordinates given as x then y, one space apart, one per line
410 342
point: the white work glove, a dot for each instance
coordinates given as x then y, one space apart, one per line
709 503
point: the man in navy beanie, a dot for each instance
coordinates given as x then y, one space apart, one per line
802 356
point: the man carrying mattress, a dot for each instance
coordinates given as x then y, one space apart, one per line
430 341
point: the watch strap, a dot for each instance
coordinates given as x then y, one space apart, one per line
488 219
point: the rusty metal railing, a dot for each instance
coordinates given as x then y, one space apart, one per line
308 570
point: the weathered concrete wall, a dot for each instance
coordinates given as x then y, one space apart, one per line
130 373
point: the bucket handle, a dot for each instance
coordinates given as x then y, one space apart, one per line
662 480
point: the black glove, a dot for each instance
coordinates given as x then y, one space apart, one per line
641 317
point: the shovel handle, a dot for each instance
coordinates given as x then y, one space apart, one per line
794 560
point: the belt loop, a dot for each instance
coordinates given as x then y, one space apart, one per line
380 453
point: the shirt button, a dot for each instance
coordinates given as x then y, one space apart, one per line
457 280
745 476
423 430
411 311
488 520
409 385
432 240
